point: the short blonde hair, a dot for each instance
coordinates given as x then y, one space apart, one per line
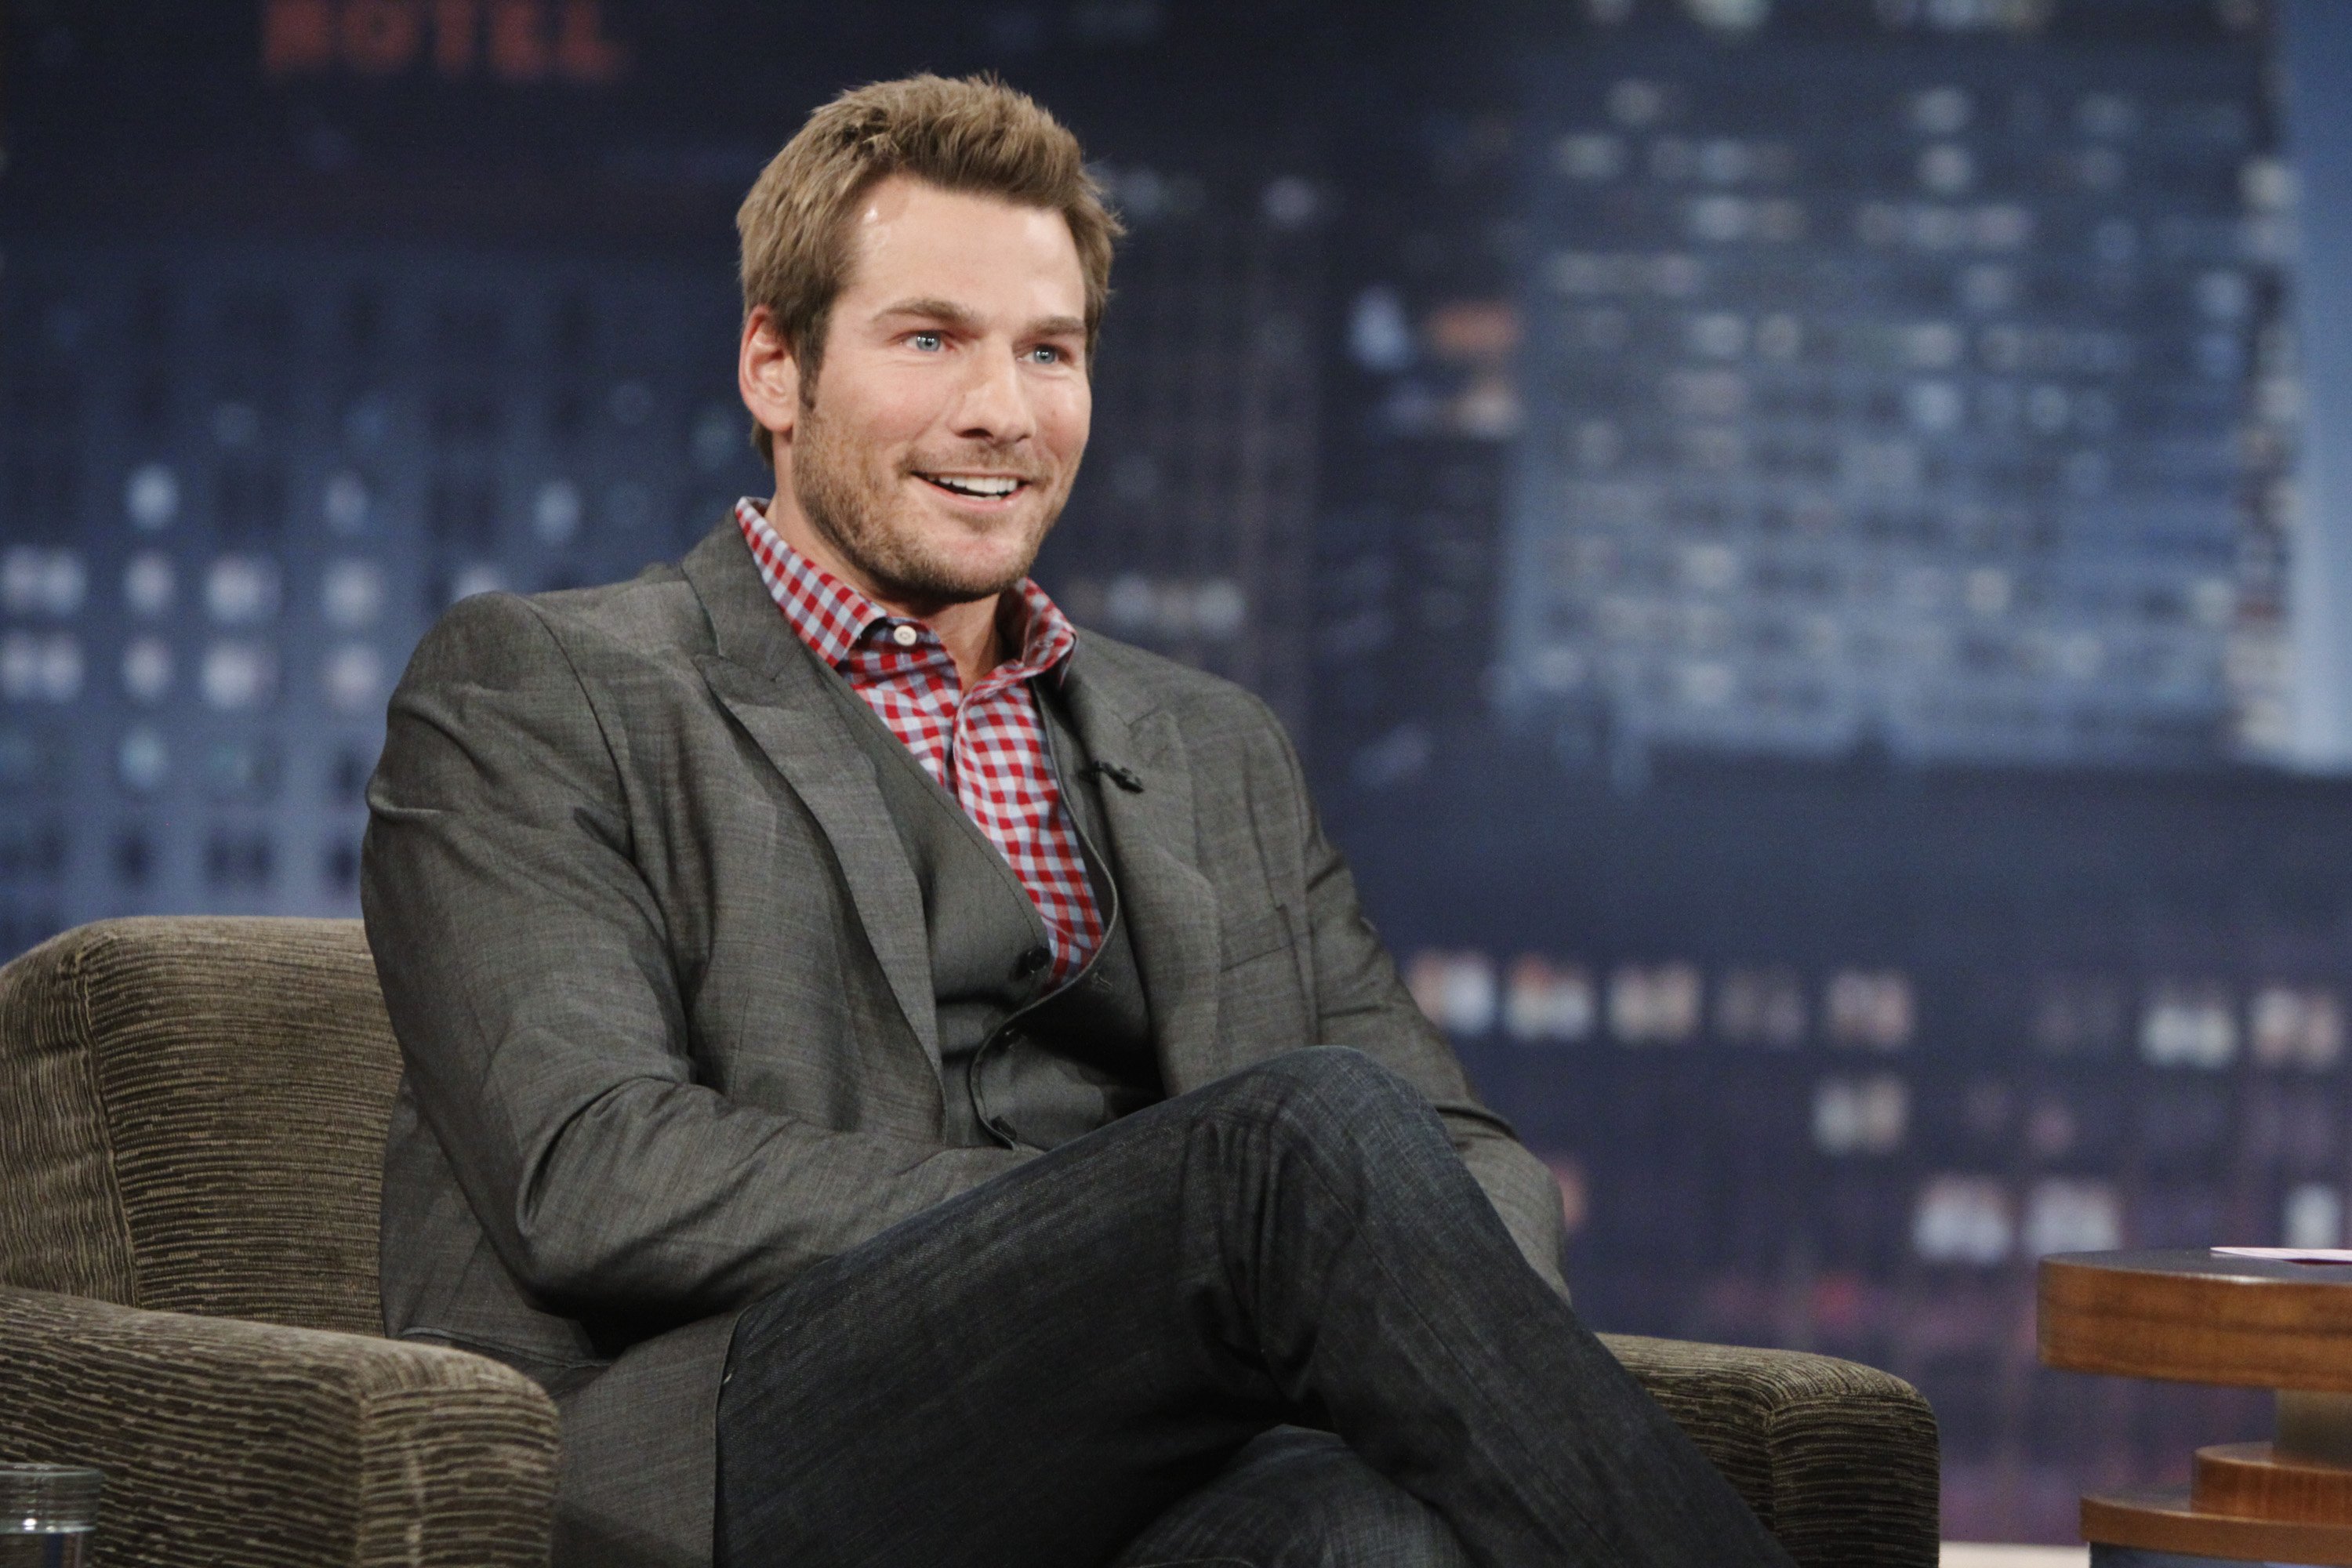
975 135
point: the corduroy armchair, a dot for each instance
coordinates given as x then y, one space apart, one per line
191 1117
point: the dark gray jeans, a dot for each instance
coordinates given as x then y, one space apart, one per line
1082 1363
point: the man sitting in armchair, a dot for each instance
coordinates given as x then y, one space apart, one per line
910 1077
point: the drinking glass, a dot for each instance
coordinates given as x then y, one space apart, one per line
46 1512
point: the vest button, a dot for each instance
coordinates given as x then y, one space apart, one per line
1032 961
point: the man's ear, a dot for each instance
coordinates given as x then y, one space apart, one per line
768 375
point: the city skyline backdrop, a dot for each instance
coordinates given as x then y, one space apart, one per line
1804 546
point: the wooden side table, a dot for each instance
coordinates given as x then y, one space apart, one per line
2196 1317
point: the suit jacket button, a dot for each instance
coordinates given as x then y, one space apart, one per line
1032 961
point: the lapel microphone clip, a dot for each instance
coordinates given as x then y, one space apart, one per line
1126 778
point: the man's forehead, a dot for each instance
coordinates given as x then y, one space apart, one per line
908 236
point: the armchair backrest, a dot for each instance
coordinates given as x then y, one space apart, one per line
191 1118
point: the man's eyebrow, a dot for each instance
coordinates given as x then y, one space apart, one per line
955 315
946 310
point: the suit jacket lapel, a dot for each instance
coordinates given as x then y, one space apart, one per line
768 679
1171 908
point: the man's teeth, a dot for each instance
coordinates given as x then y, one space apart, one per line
971 485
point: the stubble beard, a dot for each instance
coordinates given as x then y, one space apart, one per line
849 503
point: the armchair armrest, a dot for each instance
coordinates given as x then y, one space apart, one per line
248 1444
1838 1459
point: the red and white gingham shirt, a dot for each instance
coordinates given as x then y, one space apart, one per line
986 746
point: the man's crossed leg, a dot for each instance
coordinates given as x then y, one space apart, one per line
1078 1364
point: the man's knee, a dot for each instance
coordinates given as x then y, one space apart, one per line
1325 1093
1298 1499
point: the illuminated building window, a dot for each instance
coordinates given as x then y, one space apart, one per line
2051 1127
238 675
38 582
1760 1008
353 678
147 669
1654 1005
1545 1001
345 502
2313 1216
555 512
152 497
1861 1116
1378 329
148 583
1868 1008
142 761
1456 990
715 440
241 590
474 577
2189 1024
1165 609
2067 1215
351 595
40 666
2296 1026
1962 1219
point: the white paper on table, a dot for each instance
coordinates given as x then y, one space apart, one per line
2289 1254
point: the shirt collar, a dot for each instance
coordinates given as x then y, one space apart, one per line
834 619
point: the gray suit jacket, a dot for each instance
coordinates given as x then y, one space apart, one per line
656 958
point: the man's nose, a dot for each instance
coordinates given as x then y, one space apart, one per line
994 406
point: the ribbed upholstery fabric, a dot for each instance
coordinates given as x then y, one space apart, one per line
192 1121
1838 1459
191 1118
248 1444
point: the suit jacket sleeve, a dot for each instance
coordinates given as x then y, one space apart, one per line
1361 1002
529 978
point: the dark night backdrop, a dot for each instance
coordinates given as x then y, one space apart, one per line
1799 542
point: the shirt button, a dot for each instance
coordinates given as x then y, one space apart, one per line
1031 961
905 636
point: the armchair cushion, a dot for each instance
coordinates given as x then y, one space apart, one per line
192 1116
260 1446
1838 1459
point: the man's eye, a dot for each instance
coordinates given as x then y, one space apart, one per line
1046 353
924 341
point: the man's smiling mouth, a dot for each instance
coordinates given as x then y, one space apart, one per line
979 487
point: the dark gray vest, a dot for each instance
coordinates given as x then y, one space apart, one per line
1022 1066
